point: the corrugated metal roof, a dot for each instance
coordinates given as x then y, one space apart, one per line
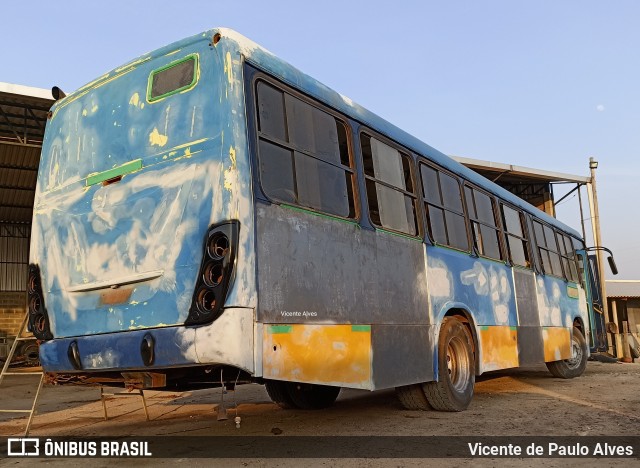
521 172
23 115
623 288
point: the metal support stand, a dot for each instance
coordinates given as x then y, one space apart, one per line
23 372
139 393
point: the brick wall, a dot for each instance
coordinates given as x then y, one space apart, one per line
10 321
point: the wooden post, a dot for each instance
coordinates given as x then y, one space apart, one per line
626 352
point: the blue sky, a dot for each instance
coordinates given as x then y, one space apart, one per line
544 84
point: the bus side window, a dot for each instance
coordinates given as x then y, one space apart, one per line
442 198
578 245
568 257
516 236
303 153
548 249
389 186
484 226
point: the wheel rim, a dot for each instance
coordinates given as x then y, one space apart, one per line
458 364
576 354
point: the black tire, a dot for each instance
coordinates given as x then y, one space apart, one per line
278 392
31 353
312 396
574 367
412 397
456 369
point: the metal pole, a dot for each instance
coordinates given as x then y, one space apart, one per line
584 234
593 164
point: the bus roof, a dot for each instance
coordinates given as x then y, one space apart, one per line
280 69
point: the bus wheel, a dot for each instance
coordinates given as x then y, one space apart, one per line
456 369
412 397
278 392
574 367
312 396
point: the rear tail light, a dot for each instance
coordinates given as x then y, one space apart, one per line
38 316
215 274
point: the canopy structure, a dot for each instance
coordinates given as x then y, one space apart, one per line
23 115
532 185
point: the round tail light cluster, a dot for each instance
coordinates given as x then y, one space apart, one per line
38 316
216 270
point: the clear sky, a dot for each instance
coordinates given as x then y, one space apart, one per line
544 83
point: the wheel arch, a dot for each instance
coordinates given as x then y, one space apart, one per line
579 324
463 314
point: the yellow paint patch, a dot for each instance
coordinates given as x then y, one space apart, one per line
325 354
84 112
131 65
77 95
499 347
228 69
229 174
572 292
557 343
156 138
135 100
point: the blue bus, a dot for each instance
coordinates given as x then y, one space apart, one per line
207 215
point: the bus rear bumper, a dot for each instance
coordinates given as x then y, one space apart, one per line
228 341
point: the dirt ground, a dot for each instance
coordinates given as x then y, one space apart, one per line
604 401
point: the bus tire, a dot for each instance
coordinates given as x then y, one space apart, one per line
312 396
574 367
456 369
279 394
412 397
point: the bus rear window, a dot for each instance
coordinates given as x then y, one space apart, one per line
173 78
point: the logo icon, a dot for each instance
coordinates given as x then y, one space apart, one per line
23 447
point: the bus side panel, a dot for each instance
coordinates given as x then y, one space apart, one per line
558 306
331 285
484 289
313 269
530 343
402 355
338 355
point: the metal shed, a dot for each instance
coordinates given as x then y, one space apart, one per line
23 115
623 297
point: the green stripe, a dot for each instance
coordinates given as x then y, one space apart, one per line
277 329
126 168
361 328
572 292
320 215
400 234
